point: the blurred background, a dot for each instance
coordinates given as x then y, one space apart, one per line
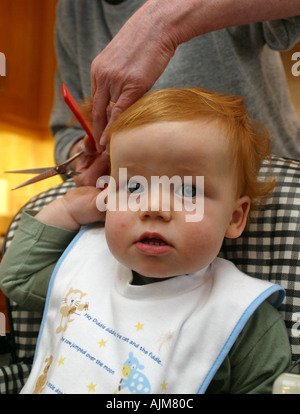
26 96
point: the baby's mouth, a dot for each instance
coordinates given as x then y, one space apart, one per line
153 244
155 241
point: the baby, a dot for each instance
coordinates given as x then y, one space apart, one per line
152 309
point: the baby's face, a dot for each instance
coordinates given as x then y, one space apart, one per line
162 230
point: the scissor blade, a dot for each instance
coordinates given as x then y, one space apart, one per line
31 171
43 176
61 167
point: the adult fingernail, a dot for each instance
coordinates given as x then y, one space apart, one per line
102 141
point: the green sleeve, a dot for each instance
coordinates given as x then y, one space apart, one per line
260 354
29 261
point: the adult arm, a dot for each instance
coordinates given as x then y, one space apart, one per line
73 69
137 56
66 134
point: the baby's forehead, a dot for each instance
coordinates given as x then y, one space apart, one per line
185 148
173 138
193 127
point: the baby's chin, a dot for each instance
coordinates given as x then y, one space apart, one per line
160 267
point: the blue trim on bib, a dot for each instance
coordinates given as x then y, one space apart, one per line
53 276
237 330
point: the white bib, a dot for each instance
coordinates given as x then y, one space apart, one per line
100 334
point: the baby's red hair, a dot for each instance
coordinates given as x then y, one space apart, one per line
248 139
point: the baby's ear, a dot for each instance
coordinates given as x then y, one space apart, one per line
239 218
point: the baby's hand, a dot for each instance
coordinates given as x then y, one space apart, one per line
76 208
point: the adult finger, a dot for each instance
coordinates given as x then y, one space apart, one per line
101 97
91 168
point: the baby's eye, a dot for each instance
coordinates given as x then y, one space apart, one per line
134 187
188 190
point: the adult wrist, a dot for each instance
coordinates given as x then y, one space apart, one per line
175 20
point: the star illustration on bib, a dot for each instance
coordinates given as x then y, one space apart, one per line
92 386
61 361
139 326
164 386
102 343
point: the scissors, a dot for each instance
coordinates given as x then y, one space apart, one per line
62 168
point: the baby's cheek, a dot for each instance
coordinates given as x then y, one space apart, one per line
114 218
115 227
117 241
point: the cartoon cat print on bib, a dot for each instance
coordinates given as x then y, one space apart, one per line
72 306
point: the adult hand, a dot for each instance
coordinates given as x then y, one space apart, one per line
123 74
136 57
91 164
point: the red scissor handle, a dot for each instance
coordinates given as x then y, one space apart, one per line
75 108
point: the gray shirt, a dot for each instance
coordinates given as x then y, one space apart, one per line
241 60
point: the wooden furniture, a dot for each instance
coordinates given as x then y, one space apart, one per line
26 96
27 40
